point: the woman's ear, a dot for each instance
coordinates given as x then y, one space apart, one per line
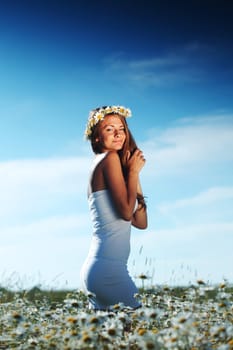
97 139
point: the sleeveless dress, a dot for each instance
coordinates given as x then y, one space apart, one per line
104 274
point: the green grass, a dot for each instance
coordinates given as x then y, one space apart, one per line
57 296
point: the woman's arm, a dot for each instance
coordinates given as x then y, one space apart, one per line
139 219
124 195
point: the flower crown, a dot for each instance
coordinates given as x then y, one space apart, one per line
98 114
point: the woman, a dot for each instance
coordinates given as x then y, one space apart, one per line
116 202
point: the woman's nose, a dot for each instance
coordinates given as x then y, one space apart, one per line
117 133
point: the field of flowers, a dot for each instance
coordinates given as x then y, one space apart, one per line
194 317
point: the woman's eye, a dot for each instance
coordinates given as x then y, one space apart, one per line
109 129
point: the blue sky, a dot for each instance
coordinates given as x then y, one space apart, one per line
171 63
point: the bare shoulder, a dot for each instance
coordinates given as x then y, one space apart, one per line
112 158
113 176
112 164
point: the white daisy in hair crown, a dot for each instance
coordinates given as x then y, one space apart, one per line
98 114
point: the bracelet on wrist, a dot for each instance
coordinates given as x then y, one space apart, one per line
141 201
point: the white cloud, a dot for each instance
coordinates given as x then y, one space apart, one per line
206 198
48 251
170 60
44 229
190 146
172 68
182 235
48 173
28 184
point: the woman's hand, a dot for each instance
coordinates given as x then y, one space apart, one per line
136 161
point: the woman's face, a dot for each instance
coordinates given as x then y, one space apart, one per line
111 133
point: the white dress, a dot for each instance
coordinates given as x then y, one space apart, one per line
104 273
